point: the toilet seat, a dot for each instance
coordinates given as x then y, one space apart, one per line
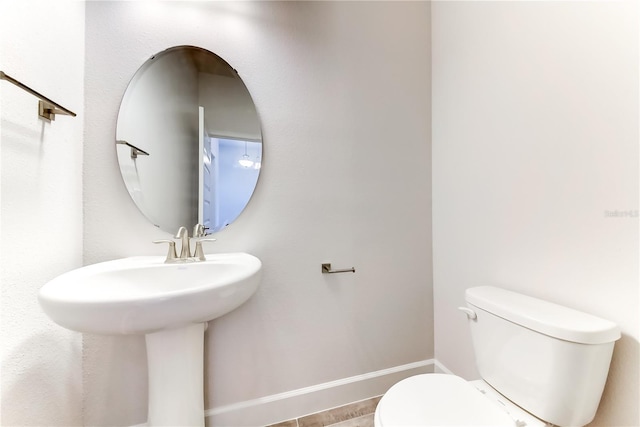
439 400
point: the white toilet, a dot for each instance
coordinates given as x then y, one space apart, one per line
541 364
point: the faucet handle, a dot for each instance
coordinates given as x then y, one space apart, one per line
199 252
171 254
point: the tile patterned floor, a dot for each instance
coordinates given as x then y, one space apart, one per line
358 414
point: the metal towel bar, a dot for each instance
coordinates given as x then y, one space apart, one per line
47 109
135 151
326 269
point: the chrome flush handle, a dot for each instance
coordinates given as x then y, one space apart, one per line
470 313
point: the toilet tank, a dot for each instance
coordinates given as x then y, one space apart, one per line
548 359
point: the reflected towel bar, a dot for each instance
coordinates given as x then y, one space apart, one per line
47 109
134 150
326 269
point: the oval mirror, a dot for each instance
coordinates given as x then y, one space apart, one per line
188 140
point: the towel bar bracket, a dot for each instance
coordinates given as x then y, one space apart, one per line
135 151
48 112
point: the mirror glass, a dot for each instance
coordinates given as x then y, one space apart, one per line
188 140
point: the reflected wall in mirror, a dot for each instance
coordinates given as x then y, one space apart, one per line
188 140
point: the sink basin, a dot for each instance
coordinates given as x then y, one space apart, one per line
141 295
168 303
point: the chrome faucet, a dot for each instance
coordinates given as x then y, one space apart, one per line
183 235
185 250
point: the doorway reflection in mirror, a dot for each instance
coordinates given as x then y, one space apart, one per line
225 178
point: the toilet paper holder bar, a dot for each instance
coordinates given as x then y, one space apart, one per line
326 269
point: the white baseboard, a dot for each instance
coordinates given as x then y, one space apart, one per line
296 403
439 368
320 397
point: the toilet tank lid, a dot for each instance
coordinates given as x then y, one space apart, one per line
542 316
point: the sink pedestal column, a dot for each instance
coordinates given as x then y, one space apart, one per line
176 377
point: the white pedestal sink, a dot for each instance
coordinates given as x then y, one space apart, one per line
169 304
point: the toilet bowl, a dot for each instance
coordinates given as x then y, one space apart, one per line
448 400
541 364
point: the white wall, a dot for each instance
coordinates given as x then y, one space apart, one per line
535 138
229 112
42 45
343 93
